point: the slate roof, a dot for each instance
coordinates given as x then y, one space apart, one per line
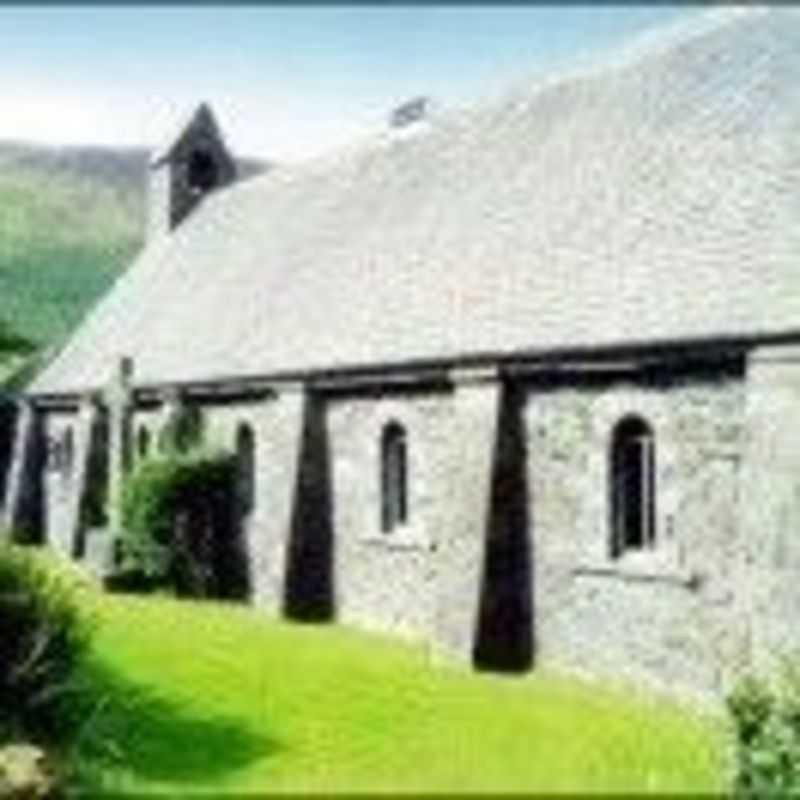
655 196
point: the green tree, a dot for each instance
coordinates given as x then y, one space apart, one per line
11 342
16 355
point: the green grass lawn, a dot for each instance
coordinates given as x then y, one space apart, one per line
214 697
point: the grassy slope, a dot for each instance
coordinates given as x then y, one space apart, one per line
216 697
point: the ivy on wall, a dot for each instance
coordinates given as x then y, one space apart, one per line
178 512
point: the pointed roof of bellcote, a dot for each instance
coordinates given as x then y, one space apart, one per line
200 118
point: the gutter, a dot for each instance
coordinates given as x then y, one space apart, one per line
629 358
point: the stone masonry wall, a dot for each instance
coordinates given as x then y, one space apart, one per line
675 616
771 501
670 615
388 580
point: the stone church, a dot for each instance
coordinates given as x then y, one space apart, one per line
521 381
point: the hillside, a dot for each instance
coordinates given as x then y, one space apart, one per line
71 219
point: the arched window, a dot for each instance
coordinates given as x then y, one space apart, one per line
394 478
67 455
245 468
143 442
52 453
633 500
182 430
190 428
8 417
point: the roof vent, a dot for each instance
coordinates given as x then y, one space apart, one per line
409 112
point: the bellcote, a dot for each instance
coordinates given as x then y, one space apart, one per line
191 164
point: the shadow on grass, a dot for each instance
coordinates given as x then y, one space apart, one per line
127 727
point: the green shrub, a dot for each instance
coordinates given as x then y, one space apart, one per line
766 725
43 635
173 506
182 432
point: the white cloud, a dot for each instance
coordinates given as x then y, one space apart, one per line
265 124
50 117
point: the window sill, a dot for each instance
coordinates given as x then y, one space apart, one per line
400 539
642 571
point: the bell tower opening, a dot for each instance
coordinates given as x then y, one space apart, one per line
203 172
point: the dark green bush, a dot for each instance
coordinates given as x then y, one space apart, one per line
766 725
132 579
174 507
43 636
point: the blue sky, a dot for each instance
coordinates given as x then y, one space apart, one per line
287 82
